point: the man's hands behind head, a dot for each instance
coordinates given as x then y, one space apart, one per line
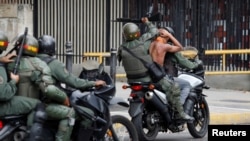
164 33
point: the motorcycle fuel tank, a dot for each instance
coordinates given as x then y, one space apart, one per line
194 81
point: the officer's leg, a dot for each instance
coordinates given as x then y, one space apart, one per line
86 130
66 115
18 105
173 95
177 103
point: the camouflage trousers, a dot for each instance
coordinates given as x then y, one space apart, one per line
19 105
172 91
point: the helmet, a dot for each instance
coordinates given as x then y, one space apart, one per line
30 46
3 41
169 29
131 31
47 45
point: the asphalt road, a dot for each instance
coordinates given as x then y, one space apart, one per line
226 107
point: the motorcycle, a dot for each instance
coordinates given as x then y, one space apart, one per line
100 101
105 127
151 113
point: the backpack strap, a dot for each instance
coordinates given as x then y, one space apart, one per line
47 59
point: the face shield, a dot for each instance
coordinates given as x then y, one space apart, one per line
11 45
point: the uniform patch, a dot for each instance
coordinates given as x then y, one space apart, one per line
1 80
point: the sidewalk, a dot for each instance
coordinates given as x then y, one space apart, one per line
226 106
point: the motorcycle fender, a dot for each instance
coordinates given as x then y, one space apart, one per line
135 109
120 101
7 130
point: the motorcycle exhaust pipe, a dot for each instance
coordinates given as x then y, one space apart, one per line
162 108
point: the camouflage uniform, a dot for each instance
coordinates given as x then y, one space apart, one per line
171 61
61 75
135 70
36 82
11 104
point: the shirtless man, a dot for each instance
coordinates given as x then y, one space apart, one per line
161 52
158 49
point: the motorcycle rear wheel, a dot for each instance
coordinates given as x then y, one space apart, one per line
145 133
199 127
123 128
15 136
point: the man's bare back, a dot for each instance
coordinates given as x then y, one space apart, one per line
157 52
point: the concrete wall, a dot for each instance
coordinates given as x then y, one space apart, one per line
14 18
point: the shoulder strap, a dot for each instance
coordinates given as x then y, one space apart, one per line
47 59
129 51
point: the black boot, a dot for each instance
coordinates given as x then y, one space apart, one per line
181 114
85 134
36 130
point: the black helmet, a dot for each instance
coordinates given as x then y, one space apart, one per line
30 46
130 31
47 45
169 29
3 41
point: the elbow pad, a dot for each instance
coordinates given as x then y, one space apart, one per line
54 93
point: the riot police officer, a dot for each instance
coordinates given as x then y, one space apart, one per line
139 44
47 50
10 103
36 82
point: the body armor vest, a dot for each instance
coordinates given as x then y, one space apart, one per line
134 68
31 72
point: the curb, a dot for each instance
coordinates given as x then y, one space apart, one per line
215 118
230 118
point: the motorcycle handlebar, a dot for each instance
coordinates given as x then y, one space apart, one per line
101 120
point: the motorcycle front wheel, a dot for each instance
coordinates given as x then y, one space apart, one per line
199 127
122 130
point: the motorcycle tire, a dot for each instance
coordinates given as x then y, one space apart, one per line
199 127
145 133
15 136
123 128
